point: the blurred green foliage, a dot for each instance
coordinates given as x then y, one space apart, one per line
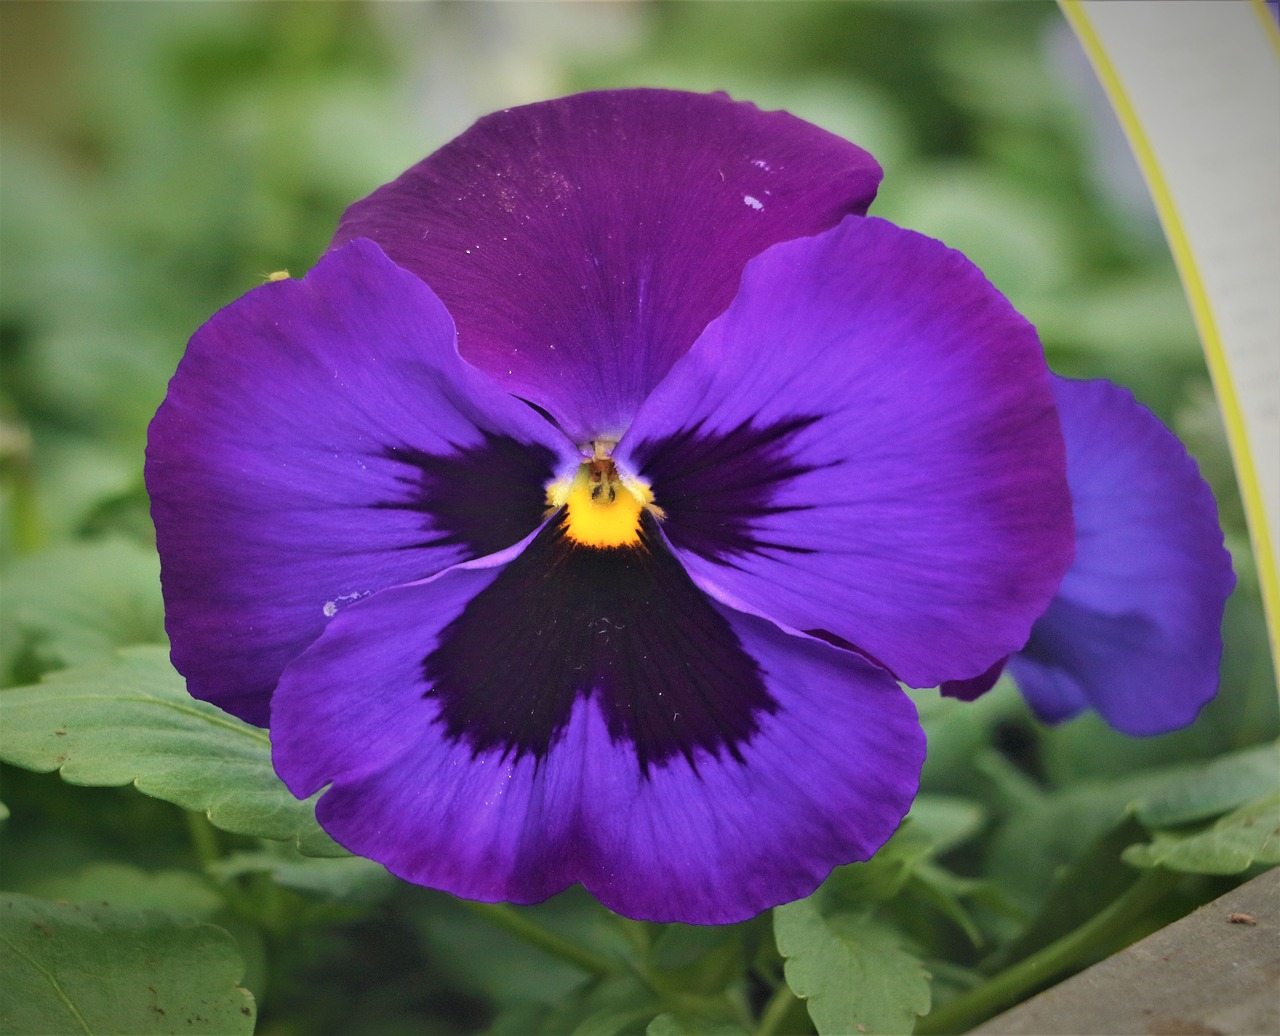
158 160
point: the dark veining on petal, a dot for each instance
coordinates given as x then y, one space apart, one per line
626 624
713 485
483 498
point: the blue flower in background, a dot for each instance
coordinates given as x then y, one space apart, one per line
510 515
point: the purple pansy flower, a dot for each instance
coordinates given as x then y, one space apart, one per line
1134 630
510 515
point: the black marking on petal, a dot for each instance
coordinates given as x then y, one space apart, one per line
626 624
714 485
483 497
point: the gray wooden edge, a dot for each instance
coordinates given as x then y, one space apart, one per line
1214 973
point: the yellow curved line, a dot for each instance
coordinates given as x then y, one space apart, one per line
1215 356
1270 28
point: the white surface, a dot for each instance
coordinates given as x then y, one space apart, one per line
1202 79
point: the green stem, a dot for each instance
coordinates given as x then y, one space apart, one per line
27 528
777 1009
204 839
515 923
1096 935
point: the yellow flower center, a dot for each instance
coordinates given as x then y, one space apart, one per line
602 506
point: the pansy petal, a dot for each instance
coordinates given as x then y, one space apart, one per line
1135 629
322 440
866 443
582 244
976 686
762 792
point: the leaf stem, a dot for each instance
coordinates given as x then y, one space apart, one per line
515 923
776 1010
204 839
1096 935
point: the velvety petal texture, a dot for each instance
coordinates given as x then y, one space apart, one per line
866 443
1134 631
817 772
582 244
322 440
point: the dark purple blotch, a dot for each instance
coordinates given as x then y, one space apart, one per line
627 624
483 497
713 485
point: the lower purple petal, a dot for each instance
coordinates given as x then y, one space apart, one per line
1135 629
823 777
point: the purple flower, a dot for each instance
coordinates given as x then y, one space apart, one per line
510 522
1134 630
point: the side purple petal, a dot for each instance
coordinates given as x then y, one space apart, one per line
866 443
582 244
710 837
320 441
1135 629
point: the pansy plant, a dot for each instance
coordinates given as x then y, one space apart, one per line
576 518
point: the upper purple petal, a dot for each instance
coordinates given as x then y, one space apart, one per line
866 443
582 244
818 775
322 440
1135 629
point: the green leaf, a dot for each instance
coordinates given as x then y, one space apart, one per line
1079 891
959 731
673 1025
345 878
1249 835
936 823
851 971
129 720
1211 789
77 969
72 604
131 888
1050 832
944 891
696 959
601 1009
945 821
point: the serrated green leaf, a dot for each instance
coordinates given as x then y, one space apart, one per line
852 972
1211 789
1249 835
129 720
1049 832
66 968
